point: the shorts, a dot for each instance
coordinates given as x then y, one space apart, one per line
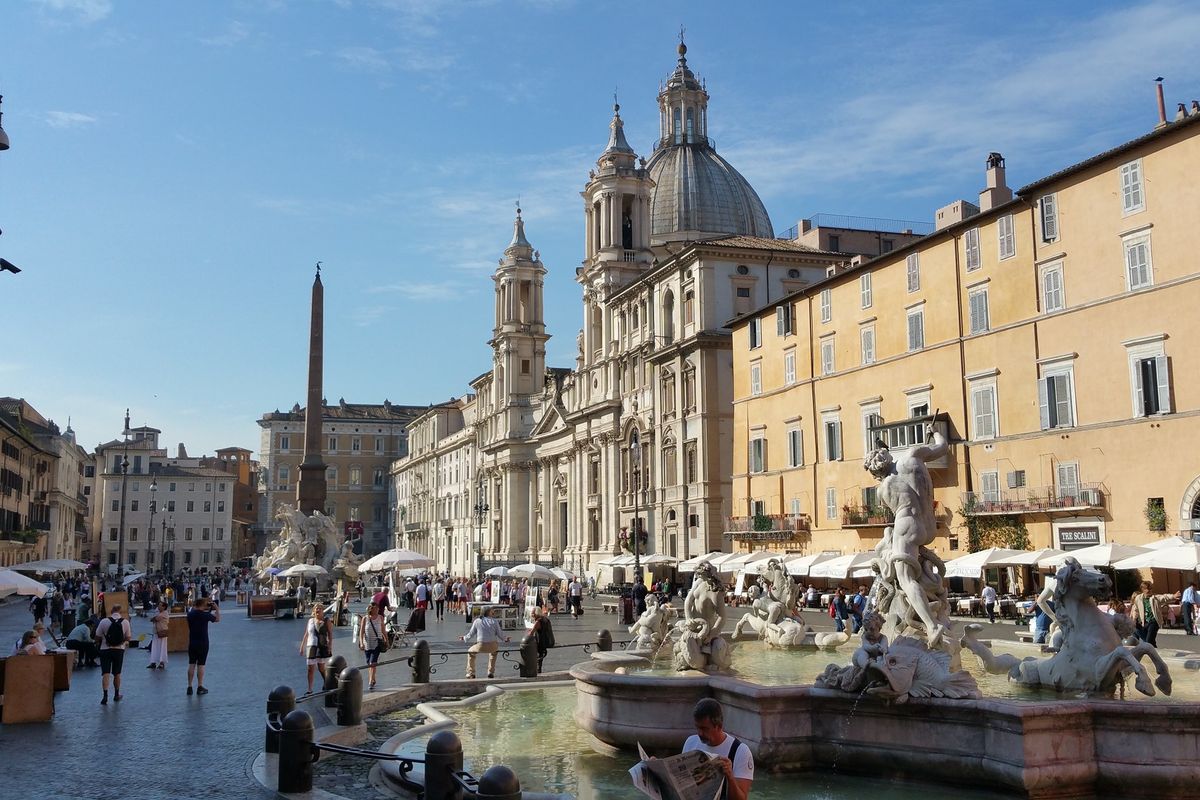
197 653
111 660
372 656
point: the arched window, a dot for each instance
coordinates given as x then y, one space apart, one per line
678 128
691 126
669 316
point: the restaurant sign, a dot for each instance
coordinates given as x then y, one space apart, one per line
1078 538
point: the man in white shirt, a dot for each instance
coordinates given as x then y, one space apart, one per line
733 756
409 597
1188 609
575 597
422 594
989 602
487 633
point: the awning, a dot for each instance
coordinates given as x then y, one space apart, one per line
1099 555
800 566
973 564
695 561
854 565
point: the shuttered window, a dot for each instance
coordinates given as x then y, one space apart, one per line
1049 207
971 242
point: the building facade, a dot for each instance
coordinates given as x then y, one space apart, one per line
360 443
634 437
1048 334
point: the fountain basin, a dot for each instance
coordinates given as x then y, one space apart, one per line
1042 749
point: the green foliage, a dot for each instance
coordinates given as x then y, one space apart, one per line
1005 530
1156 515
763 523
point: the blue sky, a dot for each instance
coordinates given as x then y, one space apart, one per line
177 168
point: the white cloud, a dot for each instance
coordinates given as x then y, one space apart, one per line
364 59
234 33
68 119
445 290
84 11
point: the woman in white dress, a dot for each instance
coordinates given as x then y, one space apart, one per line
317 643
158 645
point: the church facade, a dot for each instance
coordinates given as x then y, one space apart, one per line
636 437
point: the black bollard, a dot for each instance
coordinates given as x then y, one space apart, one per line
529 656
604 640
419 661
280 702
333 668
443 758
349 697
499 783
296 752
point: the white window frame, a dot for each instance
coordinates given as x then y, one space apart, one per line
867 413
912 267
989 486
1137 351
865 294
1006 239
826 305
974 304
831 425
918 313
971 250
831 504
755 333
1050 418
828 363
1132 186
1070 471
757 453
1043 272
795 446
796 508
1129 244
1048 206
756 379
783 320
985 408
866 343
789 367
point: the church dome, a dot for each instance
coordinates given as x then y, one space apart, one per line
697 194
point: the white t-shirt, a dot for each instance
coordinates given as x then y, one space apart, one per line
422 593
989 594
743 759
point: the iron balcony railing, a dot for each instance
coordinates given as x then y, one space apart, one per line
1040 500
860 516
769 528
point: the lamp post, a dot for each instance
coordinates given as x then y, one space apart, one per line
481 509
150 533
169 540
124 482
636 455
5 264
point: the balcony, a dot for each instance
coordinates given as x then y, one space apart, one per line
858 516
769 528
1045 500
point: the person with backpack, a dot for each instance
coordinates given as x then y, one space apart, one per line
858 607
839 610
731 755
113 635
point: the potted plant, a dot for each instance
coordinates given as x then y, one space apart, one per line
1156 515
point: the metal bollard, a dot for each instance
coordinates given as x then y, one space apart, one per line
443 758
296 752
529 657
419 661
281 702
349 697
499 783
604 640
333 668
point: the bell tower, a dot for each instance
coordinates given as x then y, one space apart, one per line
519 336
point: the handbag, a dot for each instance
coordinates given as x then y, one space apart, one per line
384 639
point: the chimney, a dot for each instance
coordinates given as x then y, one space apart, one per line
182 451
996 191
1162 103
1181 113
1195 110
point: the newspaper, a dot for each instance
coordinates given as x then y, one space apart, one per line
687 776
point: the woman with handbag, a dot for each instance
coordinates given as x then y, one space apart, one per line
372 640
317 644
158 646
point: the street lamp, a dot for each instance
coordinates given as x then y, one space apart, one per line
169 541
150 533
636 455
481 509
121 522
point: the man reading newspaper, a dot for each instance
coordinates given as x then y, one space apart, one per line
712 766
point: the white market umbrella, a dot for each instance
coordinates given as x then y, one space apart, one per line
531 571
1185 558
137 576
1163 544
303 571
659 558
396 558
16 583
802 565
617 561
721 560
740 561
973 564
563 573
495 572
690 564
50 565
1098 555
855 565
1029 557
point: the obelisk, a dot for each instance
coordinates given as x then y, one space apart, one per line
310 491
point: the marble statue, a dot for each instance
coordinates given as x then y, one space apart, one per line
700 645
774 602
303 540
652 627
1091 656
345 566
908 650
789 632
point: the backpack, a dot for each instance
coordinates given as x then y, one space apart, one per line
833 609
115 635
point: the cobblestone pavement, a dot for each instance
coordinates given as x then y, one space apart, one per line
160 742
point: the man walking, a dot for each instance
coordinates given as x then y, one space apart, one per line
203 611
113 634
988 595
575 597
487 633
1147 615
439 598
1188 609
